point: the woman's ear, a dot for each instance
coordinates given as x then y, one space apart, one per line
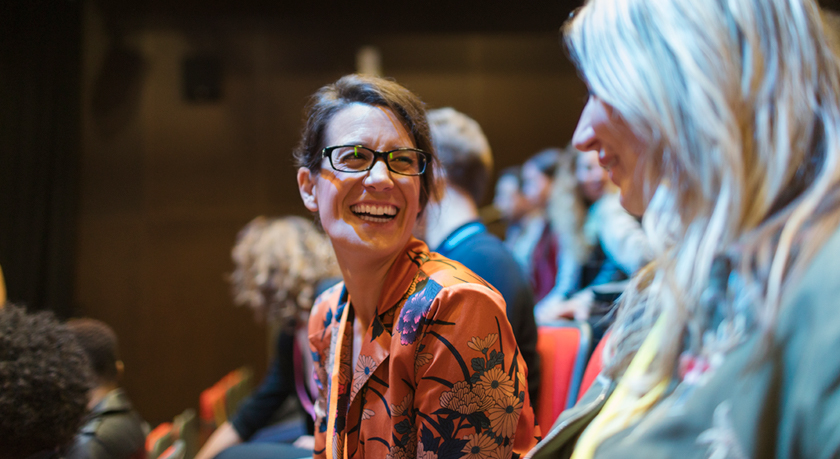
306 184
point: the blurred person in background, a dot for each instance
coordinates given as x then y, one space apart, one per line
536 247
392 341
452 228
281 264
602 243
44 383
112 429
509 202
720 122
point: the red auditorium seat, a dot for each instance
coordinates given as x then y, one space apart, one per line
563 347
158 440
594 367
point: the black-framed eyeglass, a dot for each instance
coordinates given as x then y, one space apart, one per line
357 158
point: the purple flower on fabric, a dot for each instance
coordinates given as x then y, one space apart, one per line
415 309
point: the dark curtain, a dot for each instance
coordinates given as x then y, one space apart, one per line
40 62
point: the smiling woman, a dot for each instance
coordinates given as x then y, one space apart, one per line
720 121
395 361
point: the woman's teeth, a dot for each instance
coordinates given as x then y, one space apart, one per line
374 213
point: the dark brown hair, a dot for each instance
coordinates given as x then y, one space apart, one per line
100 344
376 92
546 161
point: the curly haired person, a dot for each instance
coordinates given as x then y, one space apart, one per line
44 382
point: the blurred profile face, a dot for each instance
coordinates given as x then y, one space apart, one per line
620 151
536 186
371 212
591 177
508 198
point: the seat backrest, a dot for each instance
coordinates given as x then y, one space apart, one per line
185 427
158 440
223 398
594 367
239 387
212 405
175 451
563 347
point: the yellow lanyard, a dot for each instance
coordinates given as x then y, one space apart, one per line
625 406
334 383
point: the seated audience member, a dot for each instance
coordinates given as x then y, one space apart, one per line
602 243
720 122
510 203
452 227
414 355
44 382
279 264
112 429
536 247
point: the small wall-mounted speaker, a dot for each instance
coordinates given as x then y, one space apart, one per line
202 78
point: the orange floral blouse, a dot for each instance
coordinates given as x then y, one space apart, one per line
439 374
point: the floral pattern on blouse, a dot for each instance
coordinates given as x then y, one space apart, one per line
439 374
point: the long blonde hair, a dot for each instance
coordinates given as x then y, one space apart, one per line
278 264
738 101
566 209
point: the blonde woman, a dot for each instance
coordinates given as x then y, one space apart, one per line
279 265
720 121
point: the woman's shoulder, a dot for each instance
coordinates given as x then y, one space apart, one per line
324 306
453 276
440 279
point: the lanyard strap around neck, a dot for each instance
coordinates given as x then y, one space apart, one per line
459 235
332 413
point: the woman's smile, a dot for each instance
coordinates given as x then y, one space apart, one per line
374 212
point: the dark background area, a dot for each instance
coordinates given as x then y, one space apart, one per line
138 137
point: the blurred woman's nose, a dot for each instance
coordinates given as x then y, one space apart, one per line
379 176
584 138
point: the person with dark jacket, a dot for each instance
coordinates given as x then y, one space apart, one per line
112 429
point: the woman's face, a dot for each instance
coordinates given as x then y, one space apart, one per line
620 152
372 212
591 177
536 186
508 198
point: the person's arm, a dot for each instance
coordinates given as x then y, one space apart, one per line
259 409
222 438
577 307
470 380
622 237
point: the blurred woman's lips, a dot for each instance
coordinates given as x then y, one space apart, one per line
606 161
375 212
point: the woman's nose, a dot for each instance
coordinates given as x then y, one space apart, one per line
379 176
584 138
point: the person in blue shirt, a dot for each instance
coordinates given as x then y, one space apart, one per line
452 226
